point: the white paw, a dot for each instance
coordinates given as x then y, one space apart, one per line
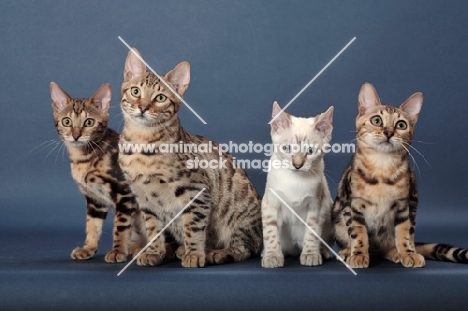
311 259
273 261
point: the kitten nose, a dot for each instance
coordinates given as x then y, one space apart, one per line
389 133
76 133
143 109
298 161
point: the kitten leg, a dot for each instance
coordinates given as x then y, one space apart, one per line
195 220
138 237
155 253
310 255
357 231
124 217
95 217
272 254
404 239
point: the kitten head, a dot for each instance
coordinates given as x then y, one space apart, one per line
299 141
80 120
386 128
146 99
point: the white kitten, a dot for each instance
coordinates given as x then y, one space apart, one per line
297 176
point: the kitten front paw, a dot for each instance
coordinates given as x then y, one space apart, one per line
114 256
146 259
326 254
217 257
273 261
358 261
192 260
311 260
83 253
413 261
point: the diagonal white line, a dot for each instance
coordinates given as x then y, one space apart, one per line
162 80
313 231
313 79
160 232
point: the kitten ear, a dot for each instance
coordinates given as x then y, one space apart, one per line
180 77
325 123
368 98
412 106
282 121
134 67
102 98
59 97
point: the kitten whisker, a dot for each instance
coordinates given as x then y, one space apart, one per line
424 158
44 145
58 152
414 160
423 142
56 145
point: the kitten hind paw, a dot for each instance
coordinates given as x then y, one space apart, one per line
392 255
180 252
344 253
114 256
273 261
83 253
146 259
413 261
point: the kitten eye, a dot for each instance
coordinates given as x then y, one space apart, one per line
401 125
376 121
286 148
160 98
89 122
67 122
135 91
310 151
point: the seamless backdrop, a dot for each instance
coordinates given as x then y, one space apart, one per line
244 55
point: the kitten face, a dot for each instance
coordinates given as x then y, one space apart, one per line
299 141
147 100
80 120
384 128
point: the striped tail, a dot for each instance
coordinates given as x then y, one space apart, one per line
442 252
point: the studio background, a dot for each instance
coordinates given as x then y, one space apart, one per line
244 55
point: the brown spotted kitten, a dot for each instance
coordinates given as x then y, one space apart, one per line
93 150
375 210
224 222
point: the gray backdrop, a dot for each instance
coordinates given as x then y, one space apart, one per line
244 55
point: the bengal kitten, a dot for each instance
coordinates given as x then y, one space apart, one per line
93 150
297 175
224 222
375 209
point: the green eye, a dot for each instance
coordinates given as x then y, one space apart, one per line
161 98
376 121
89 122
401 125
67 122
135 91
